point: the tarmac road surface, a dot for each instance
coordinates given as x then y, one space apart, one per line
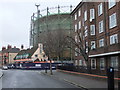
31 79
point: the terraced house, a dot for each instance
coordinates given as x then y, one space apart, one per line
7 55
98 24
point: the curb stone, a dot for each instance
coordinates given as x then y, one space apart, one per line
1 75
82 87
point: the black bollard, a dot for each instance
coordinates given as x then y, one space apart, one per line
110 74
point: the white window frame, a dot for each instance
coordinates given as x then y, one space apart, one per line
102 63
76 38
79 12
93 67
85 16
75 27
83 22
113 39
79 24
112 21
92 14
76 62
75 16
111 3
86 33
80 63
101 43
86 49
76 53
114 62
93 45
92 29
80 35
101 26
100 9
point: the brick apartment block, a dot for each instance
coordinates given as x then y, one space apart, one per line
99 22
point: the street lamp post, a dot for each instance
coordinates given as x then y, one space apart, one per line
37 5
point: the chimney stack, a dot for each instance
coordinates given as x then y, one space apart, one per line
14 46
3 48
9 46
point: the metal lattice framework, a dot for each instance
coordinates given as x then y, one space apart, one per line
54 18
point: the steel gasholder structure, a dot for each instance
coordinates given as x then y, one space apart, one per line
50 19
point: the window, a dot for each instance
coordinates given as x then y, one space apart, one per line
86 31
92 29
112 21
93 45
111 3
80 35
101 42
41 48
92 14
38 65
79 24
75 27
76 62
84 64
83 22
100 9
76 51
114 39
80 63
114 62
79 13
102 64
76 38
93 63
86 47
36 55
75 16
101 26
80 52
85 15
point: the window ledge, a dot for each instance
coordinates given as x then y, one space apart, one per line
112 27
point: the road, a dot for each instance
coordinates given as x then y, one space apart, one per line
31 79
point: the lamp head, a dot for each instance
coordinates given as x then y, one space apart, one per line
37 5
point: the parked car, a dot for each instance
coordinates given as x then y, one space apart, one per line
11 66
4 67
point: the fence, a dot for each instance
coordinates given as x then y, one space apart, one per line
73 68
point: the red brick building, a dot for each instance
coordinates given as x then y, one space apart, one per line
98 24
7 55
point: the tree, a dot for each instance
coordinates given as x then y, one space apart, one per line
80 46
54 44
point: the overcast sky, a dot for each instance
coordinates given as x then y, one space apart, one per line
15 19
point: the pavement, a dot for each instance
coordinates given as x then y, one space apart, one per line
86 82
1 73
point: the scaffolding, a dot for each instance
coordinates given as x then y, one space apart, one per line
52 19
